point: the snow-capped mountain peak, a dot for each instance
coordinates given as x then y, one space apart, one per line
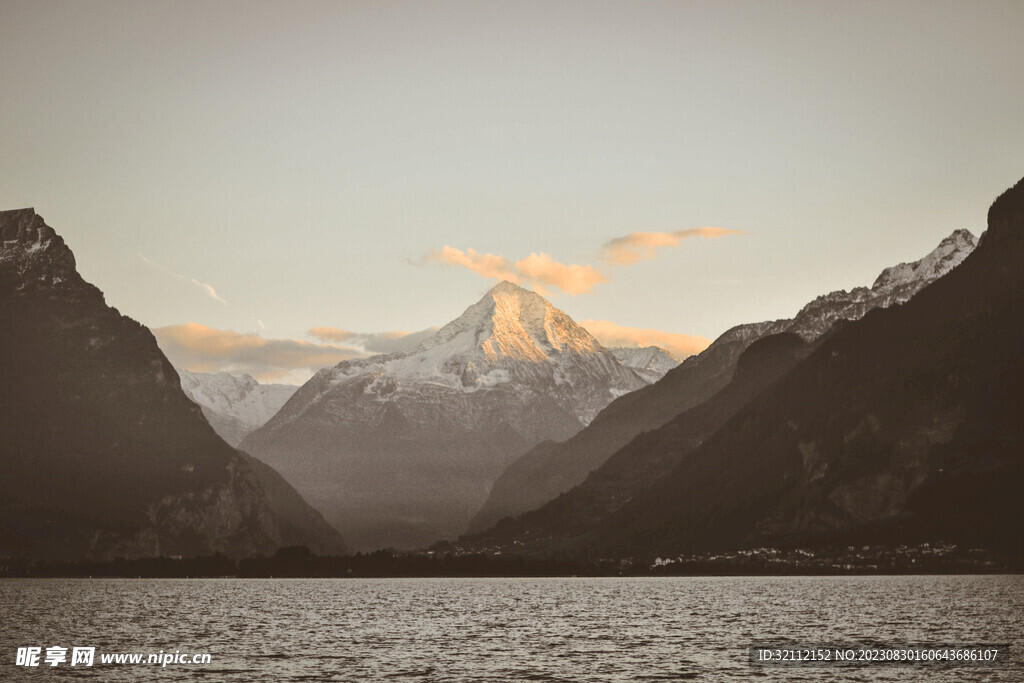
445 418
511 335
514 323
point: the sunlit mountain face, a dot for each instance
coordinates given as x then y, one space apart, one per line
401 449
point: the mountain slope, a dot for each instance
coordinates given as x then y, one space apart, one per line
103 455
549 469
401 449
557 526
234 406
906 426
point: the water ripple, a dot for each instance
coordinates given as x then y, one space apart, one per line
454 630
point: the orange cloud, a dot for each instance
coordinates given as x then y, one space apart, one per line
679 345
199 348
544 270
638 246
540 270
485 265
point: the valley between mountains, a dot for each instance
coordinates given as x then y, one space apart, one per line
889 414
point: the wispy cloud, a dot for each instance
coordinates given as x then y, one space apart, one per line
541 271
199 348
379 342
638 246
210 291
679 345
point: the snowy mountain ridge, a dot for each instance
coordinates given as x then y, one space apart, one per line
950 252
894 285
234 406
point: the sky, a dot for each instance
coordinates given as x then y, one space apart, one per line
239 176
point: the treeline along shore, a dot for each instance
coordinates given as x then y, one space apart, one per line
300 562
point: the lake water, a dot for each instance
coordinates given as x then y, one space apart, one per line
559 629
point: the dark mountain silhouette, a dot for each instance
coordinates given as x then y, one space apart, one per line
906 426
103 455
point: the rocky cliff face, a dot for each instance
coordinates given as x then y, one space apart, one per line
400 449
549 469
103 454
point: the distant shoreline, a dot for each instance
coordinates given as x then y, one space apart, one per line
299 562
